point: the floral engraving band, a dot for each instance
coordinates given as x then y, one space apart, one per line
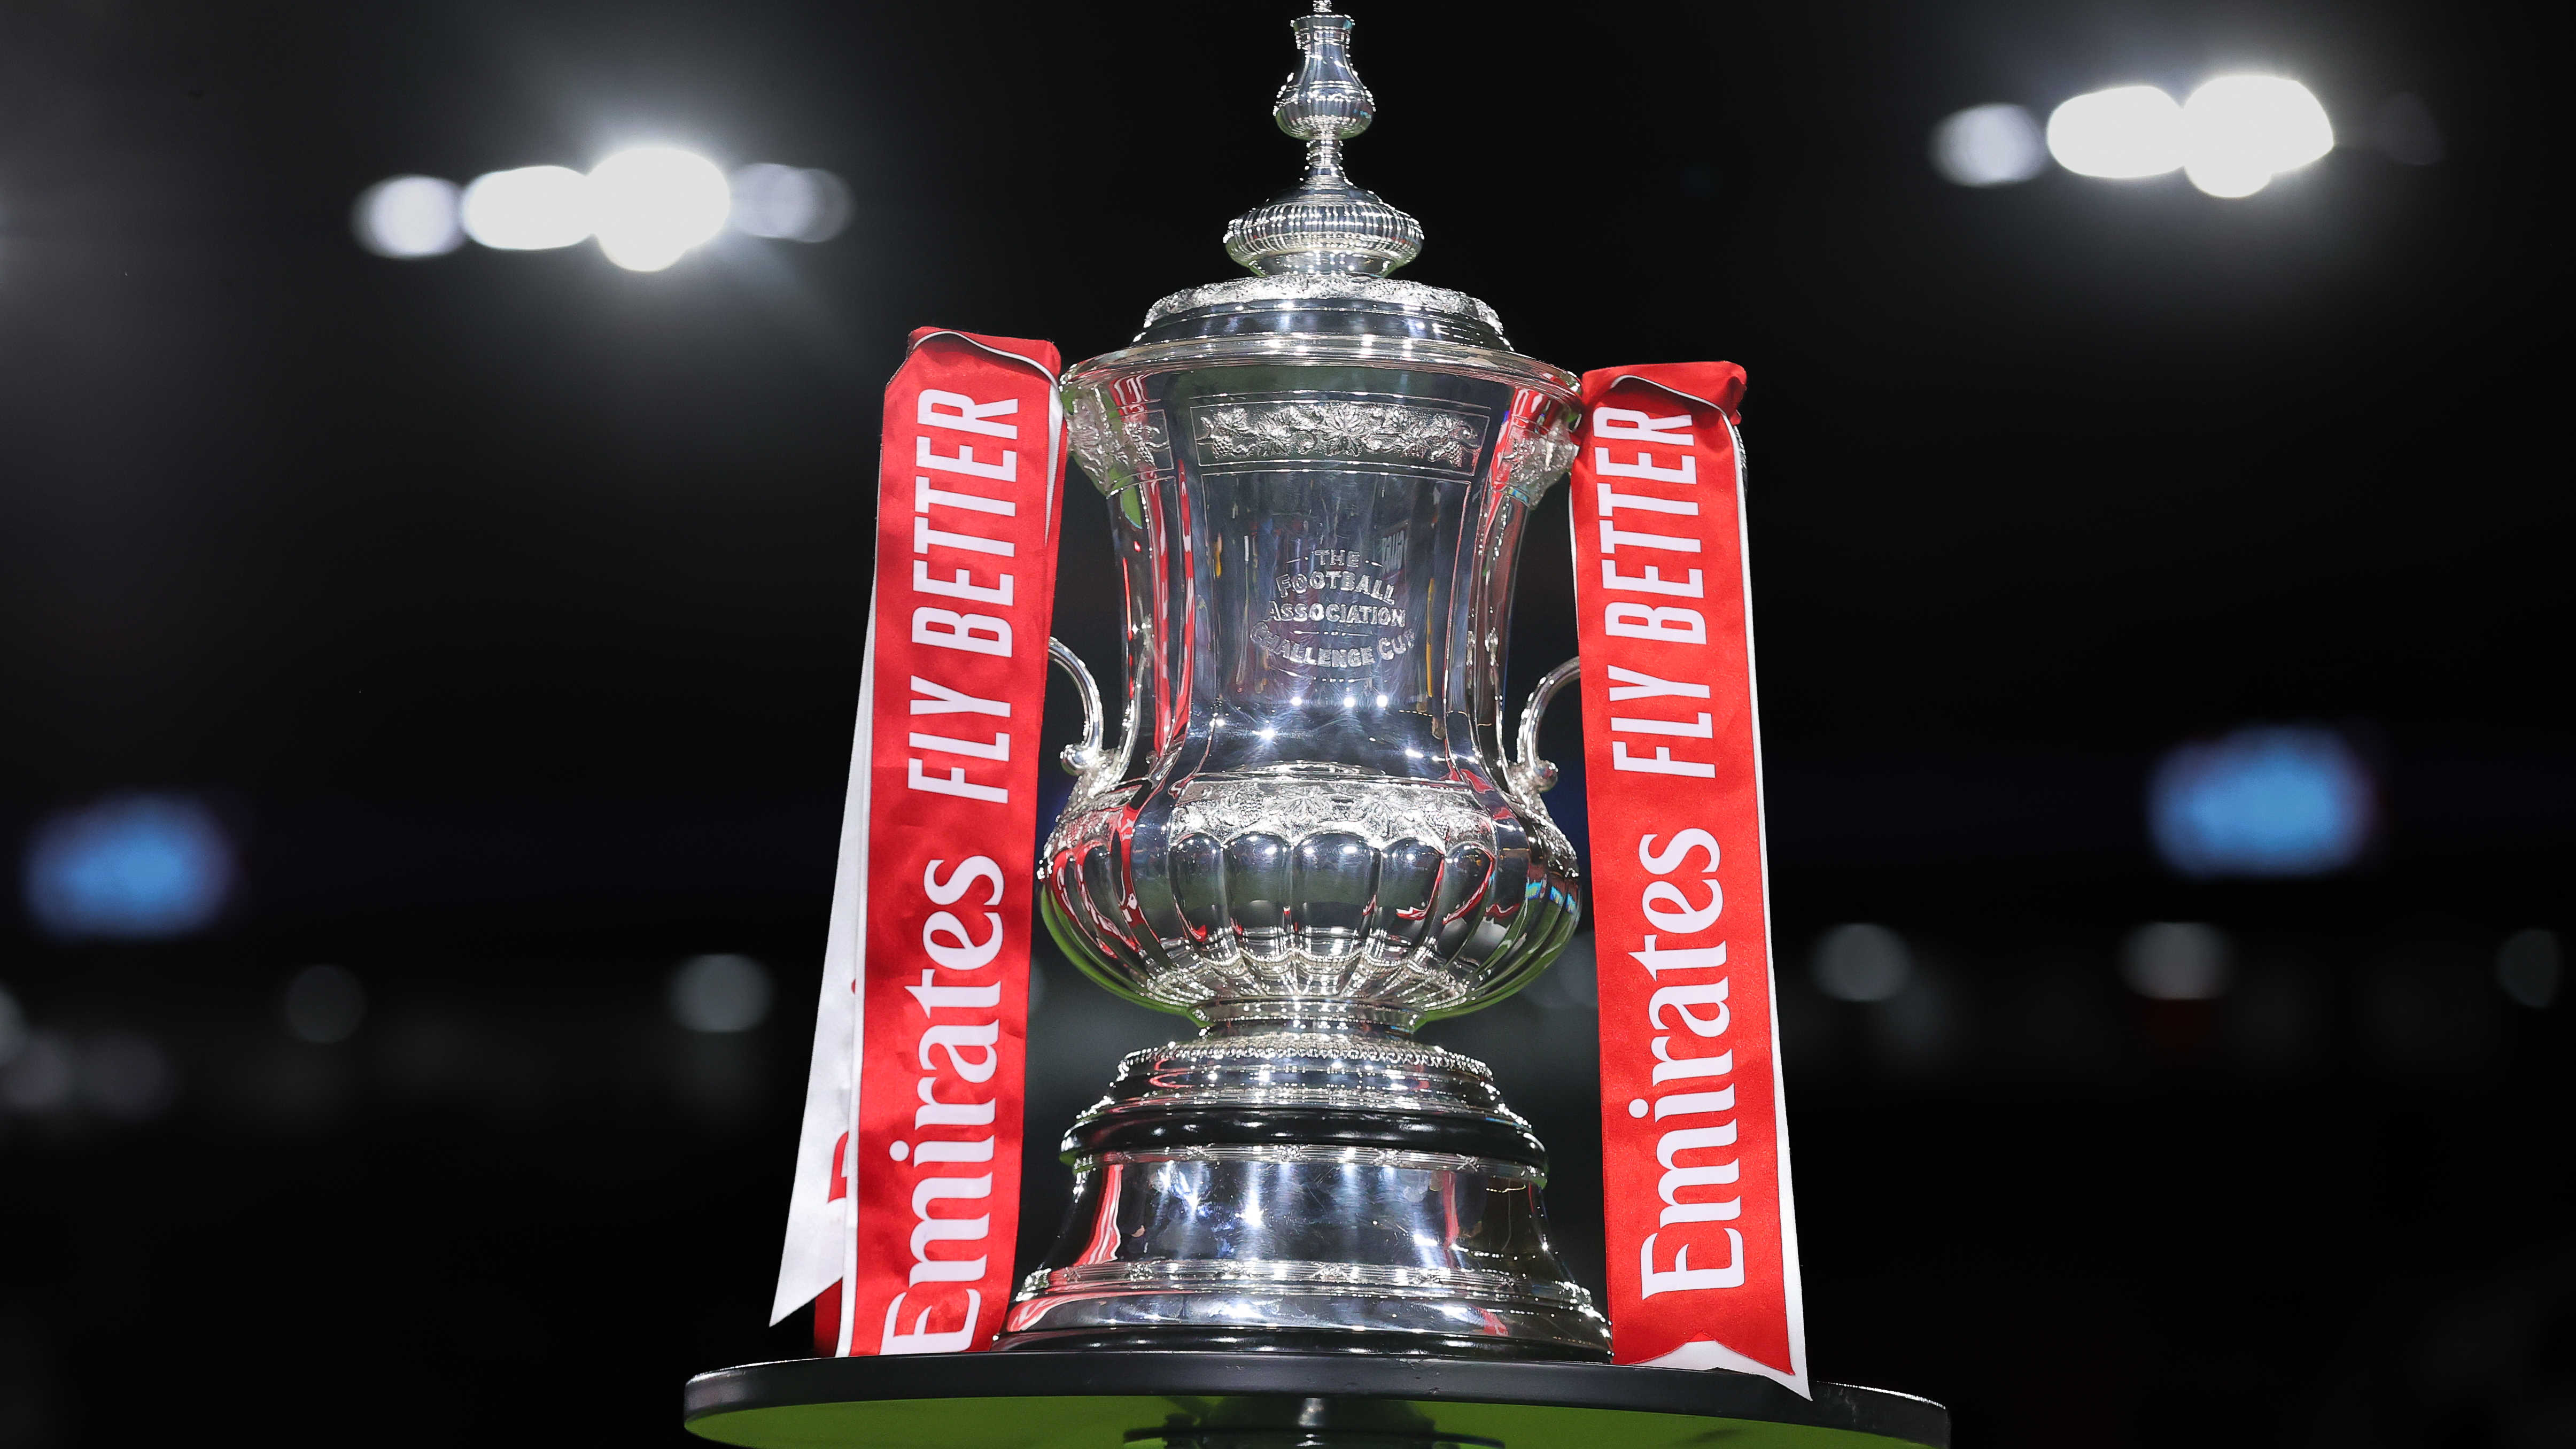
1381 432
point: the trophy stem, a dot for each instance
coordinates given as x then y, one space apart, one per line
1324 162
1306 1015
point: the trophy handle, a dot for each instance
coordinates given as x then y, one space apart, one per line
1528 773
1086 756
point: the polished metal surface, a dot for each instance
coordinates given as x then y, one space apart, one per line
1084 755
1380 1072
1309 835
1395 293
1312 803
1326 224
1530 774
1306 1182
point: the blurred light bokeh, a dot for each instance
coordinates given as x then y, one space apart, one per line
429 667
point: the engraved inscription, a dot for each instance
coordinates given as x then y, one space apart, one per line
1334 609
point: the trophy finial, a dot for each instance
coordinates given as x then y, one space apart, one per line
1326 224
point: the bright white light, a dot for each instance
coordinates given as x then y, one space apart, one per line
723 993
2120 134
2176 961
2240 131
653 203
530 209
1988 146
1861 962
408 216
789 203
2224 172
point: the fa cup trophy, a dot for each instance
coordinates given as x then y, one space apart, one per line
1310 832
1309 835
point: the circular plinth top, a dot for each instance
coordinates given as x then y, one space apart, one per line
1101 1399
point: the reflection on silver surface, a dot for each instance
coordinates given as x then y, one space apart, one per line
1185 1219
1311 803
1309 835
1326 224
1345 289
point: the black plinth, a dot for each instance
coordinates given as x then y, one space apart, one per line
1105 1398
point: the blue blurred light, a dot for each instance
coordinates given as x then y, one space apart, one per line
2265 801
135 867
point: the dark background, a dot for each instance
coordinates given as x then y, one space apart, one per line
507 606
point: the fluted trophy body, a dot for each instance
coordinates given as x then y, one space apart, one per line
1309 836
1311 822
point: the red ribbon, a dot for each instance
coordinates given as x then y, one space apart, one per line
1703 1248
968 500
1702 1232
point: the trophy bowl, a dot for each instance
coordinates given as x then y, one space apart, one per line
1317 502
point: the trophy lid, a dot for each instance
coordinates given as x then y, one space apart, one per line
1324 246
1325 224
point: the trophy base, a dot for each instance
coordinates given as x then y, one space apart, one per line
1103 1400
1297 1341
1287 1191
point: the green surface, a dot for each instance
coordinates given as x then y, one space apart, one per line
1103 1422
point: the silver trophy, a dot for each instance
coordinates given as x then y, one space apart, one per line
1309 836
